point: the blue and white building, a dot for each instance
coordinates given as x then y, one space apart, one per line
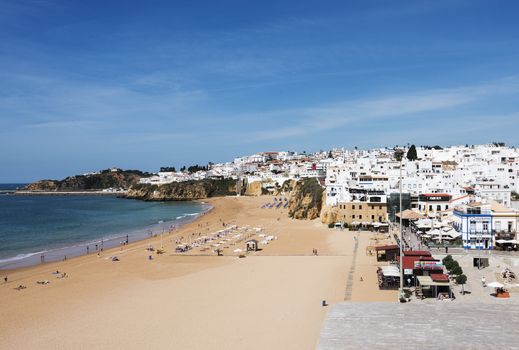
486 225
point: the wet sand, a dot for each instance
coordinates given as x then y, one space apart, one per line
270 299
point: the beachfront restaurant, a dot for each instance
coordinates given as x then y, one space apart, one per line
251 245
436 285
388 277
387 252
419 263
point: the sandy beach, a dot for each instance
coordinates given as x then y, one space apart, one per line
269 300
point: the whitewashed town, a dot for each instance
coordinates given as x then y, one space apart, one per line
460 200
457 193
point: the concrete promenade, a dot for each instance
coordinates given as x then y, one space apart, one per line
439 325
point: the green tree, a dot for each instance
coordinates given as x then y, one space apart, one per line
447 259
411 153
461 279
398 154
457 271
449 264
452 265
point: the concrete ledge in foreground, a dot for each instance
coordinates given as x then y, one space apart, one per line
439 325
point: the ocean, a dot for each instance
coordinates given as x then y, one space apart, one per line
49 228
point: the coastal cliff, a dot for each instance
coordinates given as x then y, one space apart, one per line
97 181
328 214
183 191
306 199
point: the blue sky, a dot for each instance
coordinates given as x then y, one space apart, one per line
86 85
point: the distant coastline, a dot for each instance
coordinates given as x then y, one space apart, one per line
66 193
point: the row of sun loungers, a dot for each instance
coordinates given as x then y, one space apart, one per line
224 238
276 204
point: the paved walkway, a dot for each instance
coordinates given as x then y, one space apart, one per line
440 325
351 273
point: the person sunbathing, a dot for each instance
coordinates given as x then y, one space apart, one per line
20 287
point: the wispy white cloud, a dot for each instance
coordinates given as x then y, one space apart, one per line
312 120
65 124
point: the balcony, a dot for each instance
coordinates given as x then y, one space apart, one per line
483 233
504 234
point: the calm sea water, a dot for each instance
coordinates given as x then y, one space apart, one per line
55 226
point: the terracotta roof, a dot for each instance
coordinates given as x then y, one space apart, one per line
417 253
408 262
387 247
498 207
428 258
439 277
409 214
458 198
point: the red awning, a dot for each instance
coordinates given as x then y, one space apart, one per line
439 277
387 247
417 253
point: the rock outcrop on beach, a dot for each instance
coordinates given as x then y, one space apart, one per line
328 214
254 188
183 191
258 188
110 178
306 199
286 187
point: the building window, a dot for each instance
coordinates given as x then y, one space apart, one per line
372 217
353 206
380 207
360 206
360 216
485 225
438 207
380 219
353 216
430 207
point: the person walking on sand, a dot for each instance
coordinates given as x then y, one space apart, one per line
5 279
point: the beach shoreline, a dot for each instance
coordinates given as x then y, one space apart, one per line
92 246
204 299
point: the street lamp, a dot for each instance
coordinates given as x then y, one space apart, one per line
399 154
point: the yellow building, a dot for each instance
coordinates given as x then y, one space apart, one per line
360 212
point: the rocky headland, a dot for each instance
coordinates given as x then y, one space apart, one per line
183 191
110 178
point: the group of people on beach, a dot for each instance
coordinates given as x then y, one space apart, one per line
56 273
314 252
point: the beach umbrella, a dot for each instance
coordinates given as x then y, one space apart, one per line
495 285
